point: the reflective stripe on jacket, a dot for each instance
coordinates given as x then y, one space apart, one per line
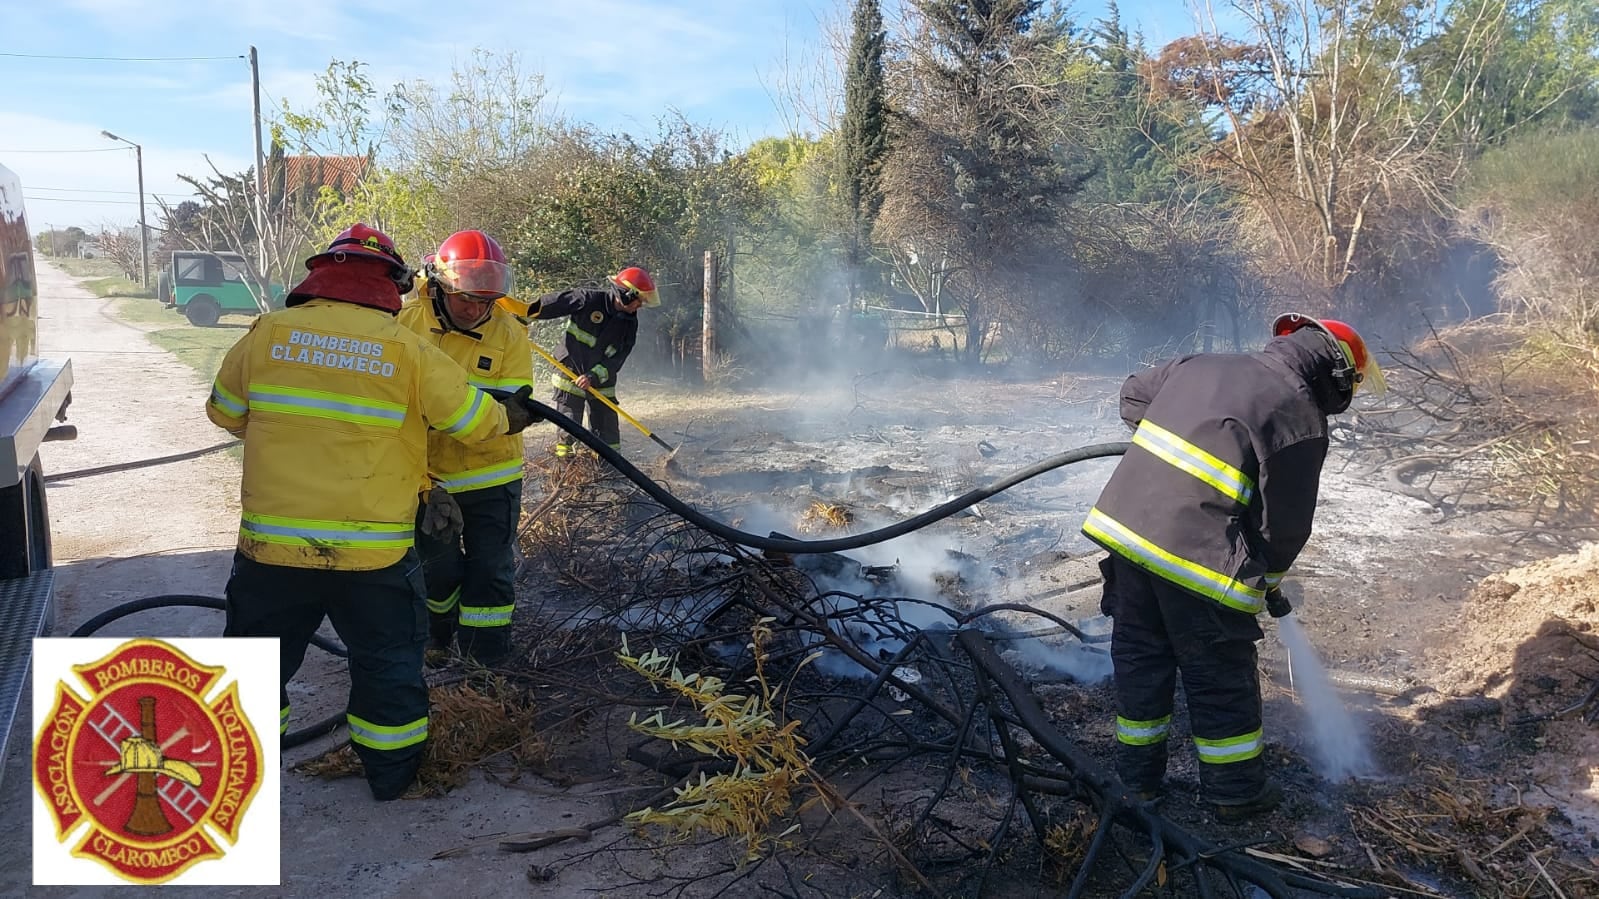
501 362
1218 491
334 402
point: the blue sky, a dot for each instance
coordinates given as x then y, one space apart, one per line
618 64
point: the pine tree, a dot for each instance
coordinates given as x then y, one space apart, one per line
1136 142
862 137
974 188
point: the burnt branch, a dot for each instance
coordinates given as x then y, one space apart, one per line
877 681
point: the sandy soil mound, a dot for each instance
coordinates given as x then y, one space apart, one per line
1528 644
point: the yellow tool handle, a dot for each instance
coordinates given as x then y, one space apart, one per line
592 392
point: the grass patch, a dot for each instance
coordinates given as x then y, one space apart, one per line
116 286
86 268
144 312
100 277
201 349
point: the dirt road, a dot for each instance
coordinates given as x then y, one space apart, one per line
170 529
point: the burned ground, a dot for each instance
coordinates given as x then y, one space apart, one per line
1482 780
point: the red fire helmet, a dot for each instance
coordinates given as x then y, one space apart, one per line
1367 374
359 241
472 263
635 281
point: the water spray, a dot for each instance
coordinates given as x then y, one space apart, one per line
1338 739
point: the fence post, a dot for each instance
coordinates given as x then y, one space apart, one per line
708 320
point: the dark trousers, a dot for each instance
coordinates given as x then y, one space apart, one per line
602 418
471 590
381 618
1160 631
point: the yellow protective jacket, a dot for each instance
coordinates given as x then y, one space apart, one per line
498 360
334 402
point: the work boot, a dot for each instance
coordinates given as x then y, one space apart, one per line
437 652
1231 811
391 788
1144 791
486 649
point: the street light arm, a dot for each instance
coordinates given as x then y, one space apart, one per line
144 229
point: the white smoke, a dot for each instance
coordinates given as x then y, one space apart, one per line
1338 738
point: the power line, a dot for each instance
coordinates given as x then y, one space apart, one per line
88 190
95 150
82 190
121 58
71 200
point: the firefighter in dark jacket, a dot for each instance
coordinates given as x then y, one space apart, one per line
1202 518
334 400
601 328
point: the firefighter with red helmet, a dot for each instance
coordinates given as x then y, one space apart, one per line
470 573
1202 519
334 399
601 328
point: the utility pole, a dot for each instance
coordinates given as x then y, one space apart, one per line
52 238
260 167
144 229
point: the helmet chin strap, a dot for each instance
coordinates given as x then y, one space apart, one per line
1343 372
441 311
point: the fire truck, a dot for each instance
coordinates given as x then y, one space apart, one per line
34 394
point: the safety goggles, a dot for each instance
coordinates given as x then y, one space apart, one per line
631 294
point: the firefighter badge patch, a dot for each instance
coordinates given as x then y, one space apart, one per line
596 317
484 363
150 769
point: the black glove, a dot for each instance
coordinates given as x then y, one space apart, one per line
1277 604
519 411
441 516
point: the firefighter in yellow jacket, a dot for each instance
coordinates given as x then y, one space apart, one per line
470 576
334 399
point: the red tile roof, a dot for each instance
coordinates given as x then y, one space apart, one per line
313 172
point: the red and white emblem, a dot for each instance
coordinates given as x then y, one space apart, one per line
155 770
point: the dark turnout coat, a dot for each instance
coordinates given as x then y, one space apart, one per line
599 337
1218 492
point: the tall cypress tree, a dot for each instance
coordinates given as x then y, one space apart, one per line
862 135
975 184
1136 139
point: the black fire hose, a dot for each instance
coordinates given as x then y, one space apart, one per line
169 600
60 476
657 492
836 544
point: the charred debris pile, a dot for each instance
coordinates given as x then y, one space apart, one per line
875 684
